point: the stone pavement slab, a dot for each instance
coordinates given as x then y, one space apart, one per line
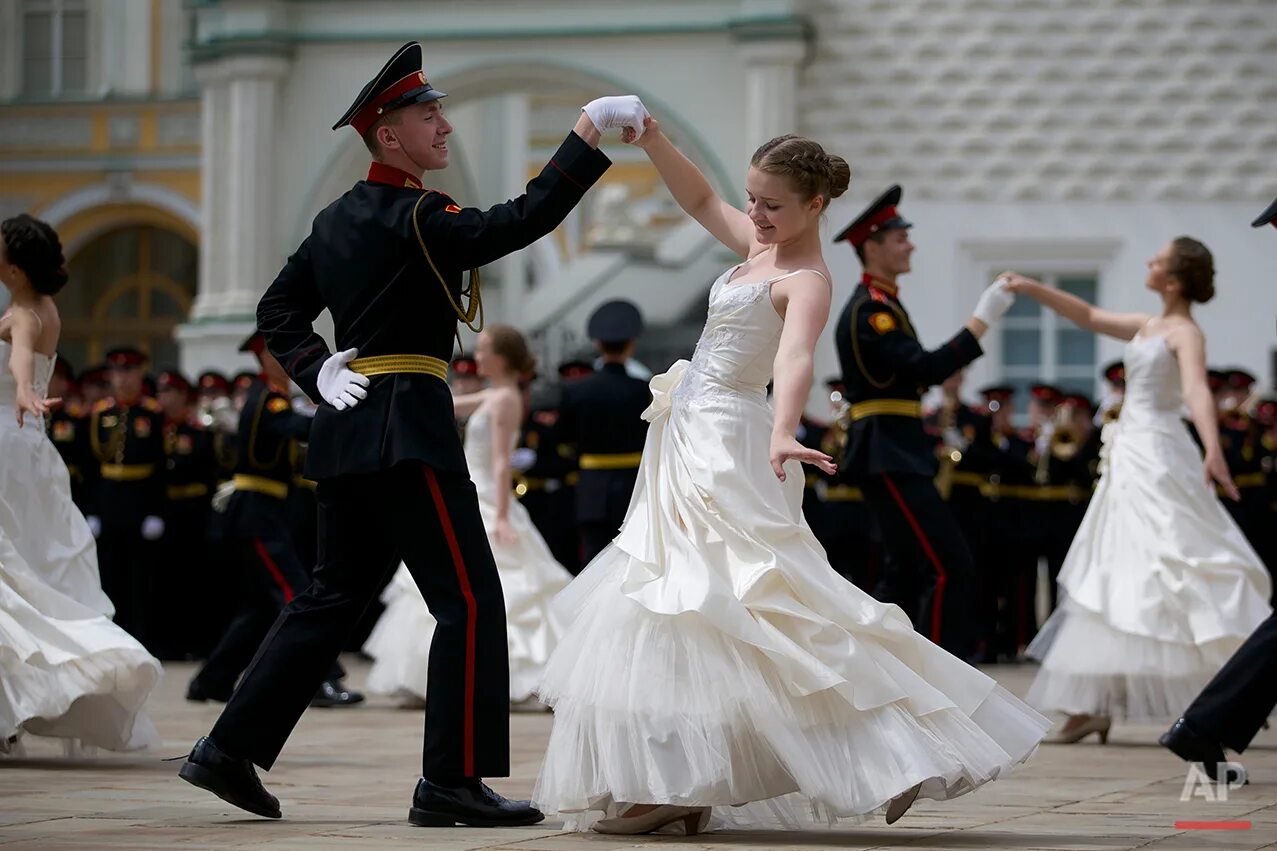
346 778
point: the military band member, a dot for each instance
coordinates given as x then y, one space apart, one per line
182 571
1237 702
847 527
545 478
1110 405
126 438
68 429
886 371
464 376
1240 438
387 260
601 417
95 385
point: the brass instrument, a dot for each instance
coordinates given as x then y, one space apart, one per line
952 445
1063 443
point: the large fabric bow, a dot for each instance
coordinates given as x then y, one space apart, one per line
663 387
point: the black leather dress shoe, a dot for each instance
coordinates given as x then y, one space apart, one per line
233 780
334 693
199 693
471 803
1190 746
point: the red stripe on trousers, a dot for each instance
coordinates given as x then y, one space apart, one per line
942 578
472 615
273 570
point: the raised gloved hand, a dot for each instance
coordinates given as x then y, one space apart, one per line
95 525
994 302
340 385
152 527
610 113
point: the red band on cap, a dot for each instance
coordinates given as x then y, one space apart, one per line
368 116
870 226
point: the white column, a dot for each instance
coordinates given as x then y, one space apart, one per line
771 88
512 165
238 259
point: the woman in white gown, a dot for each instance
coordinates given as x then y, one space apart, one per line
530 577
713 657
1160 586
65 669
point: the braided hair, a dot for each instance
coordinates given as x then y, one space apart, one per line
810 170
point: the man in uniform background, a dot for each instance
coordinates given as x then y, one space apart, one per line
602 417
886 371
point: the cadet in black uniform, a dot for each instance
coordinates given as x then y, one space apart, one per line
1238 701
259 536
601 416
886 371
182 571
387 259
545 477
126 437
68 429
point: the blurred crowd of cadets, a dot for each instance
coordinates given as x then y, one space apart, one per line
1019 491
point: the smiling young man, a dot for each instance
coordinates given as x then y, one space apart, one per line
387 259
886 371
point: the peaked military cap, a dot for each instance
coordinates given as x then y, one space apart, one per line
1267 217
400 82
1115 372
126 356
615 322
879 216
254 342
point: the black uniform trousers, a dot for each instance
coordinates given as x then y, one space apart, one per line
269 575
1235 704
181 573
929 570
126 560
367 524
602 497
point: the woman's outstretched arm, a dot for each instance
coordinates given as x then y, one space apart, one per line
806 298
692 191
1123 326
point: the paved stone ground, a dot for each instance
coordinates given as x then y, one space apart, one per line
346 778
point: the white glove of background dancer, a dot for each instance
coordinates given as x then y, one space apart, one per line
341 386
95 525
618 111
152 528
994 302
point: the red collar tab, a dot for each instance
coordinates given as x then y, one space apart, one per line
391 176
878 285
368 116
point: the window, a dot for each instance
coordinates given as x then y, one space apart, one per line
1040 346
55 48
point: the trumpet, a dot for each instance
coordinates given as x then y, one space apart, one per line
1063 442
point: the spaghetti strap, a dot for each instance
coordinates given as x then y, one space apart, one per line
795 272
37 319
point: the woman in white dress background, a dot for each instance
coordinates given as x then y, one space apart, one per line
530 577
712 656
1159 586
65 669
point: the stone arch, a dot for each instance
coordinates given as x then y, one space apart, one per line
82 215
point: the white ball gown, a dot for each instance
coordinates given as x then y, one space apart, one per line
713 657
1160 586
65 669
530 577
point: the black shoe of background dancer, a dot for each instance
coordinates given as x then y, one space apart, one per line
334 693
469 802
200 693
233 780
1189 745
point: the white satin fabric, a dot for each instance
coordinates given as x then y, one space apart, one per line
65 669
1160 586
530 577
712 656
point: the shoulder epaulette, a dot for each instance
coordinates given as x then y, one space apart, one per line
103 404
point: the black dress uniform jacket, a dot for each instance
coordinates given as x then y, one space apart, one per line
882 360
602 414
363 262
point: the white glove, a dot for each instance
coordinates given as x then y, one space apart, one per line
95 525
152 527
222 497
994 301
618 111
341 386
523 458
